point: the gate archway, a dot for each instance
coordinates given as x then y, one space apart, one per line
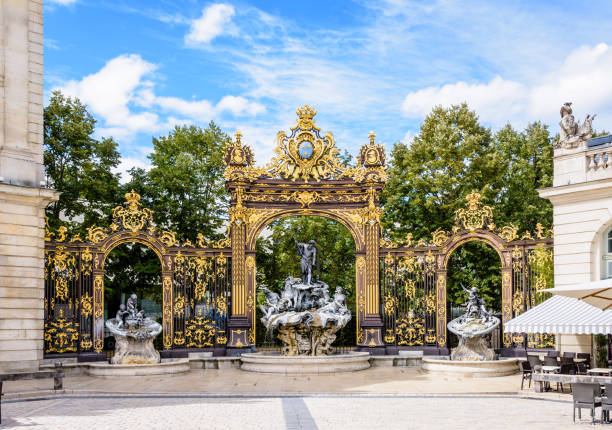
523 261
305 177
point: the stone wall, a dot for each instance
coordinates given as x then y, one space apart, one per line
22 200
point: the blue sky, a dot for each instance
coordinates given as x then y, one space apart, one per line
144 66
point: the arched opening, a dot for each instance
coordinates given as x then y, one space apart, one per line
276 259
607 254
132 268
473 264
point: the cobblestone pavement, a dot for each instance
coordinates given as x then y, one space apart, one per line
321 412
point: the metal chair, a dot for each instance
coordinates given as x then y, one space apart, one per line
550 361
534 362
606 403
581 369
584 396
571 355
566 369
553 353
587 358
526 370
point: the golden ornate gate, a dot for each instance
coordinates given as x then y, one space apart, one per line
209 291
413 278
305 177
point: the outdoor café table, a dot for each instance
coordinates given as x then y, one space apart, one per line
549 369
600 371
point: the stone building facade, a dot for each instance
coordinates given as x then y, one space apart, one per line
23 195
582 216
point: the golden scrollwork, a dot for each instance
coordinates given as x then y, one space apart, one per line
509 233
517 302
390 304
86 260
540 340
86 305
410 330
439 237
305 154
96 234
475 215
199 332
98 296
222 305
430 303
179 305
61 336
517 259
168 238
306 198
131 216
179 338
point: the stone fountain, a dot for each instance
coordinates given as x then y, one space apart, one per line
135 353
306 318
473 356
134 334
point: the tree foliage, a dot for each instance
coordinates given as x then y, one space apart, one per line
452 155
78 165
185 186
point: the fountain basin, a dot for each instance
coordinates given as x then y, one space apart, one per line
471 368
105 369
304 364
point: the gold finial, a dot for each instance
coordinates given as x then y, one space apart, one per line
238 137
306 112
371 136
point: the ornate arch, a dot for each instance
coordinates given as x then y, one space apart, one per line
474 222
485 236
305 177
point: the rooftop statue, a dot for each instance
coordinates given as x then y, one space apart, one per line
572 133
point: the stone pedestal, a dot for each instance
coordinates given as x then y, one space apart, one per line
129 350
473 348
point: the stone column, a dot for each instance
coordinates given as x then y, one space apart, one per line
22 200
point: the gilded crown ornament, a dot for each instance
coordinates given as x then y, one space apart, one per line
131 216
475 215
305 154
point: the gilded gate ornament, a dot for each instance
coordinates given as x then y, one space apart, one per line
305 154
131 216
475 215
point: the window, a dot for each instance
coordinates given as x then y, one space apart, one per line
607 255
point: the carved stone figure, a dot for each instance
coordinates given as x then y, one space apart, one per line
304 315
572 133
308 252
134 334
473 329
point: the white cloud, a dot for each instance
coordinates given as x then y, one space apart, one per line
239 106
122 94
496 101
215 20
128 163
583 78
109 92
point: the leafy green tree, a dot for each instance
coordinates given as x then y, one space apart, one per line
428 180
451 156
527 161
185 186
78 165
